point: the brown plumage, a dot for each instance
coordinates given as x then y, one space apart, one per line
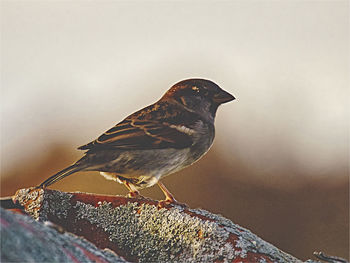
157 140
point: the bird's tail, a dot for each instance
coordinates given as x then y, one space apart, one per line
61 174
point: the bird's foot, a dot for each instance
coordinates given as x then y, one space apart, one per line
169 198
135 194
167 203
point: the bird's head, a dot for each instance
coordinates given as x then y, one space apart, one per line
198 95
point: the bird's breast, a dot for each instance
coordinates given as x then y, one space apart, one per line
203 139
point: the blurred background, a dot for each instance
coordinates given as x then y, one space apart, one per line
279 166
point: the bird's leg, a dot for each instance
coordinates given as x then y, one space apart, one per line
133 192
169 198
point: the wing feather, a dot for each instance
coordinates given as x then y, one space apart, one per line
138 133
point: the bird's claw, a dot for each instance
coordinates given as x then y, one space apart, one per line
135 194
167 203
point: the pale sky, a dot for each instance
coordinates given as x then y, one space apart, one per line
72 69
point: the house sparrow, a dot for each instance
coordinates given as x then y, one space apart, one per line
155 141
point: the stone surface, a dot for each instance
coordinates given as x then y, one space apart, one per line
25 240
140 231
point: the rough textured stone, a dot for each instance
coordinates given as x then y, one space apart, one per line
26 240
139 230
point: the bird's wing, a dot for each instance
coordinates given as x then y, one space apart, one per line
139 133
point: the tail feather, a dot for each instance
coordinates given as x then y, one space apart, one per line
60 175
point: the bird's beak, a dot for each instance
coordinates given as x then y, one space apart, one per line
223 97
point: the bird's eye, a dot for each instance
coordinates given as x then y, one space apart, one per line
194 88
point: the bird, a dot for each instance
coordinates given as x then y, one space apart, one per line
156 141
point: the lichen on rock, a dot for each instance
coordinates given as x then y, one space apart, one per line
139 230
162 234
